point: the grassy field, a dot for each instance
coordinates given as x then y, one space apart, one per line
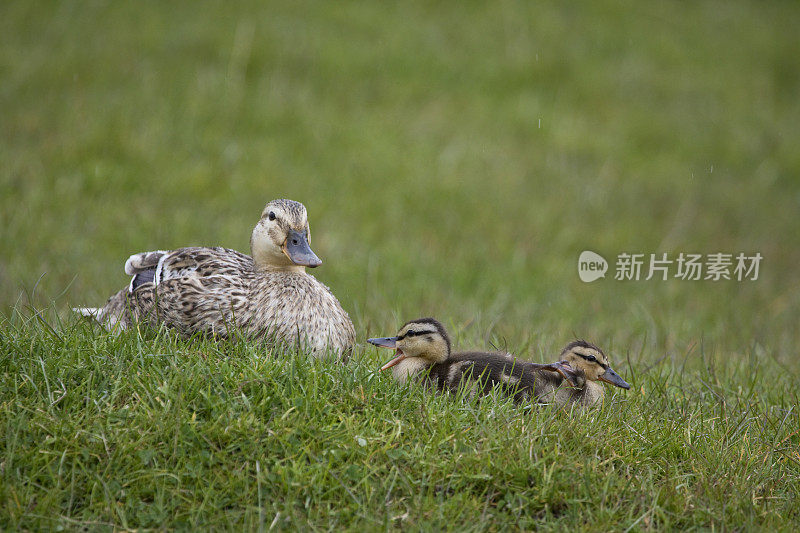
455 160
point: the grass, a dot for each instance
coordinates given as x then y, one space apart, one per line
153 431
455 160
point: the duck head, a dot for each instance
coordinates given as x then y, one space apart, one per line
422 341
281 239
583 361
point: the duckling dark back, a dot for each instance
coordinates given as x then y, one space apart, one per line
422 352
481 372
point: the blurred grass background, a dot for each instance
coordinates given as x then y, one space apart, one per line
455 159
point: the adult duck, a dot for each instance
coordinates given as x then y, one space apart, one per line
268 295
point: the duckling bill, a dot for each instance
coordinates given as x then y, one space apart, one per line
423 352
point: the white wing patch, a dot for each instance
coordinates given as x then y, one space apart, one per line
159 269
138 263
144 261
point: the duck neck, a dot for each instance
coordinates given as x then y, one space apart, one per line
410 368
591 393
270 257
269 261
438 353
297 269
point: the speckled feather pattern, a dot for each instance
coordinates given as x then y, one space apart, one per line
218 291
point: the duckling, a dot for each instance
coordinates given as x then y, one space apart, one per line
214 290
423 353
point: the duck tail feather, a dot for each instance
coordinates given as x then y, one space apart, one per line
91 312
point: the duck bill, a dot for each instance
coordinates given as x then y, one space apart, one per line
562 368
609 376
384 342
566 371
396 360
391 343
298 251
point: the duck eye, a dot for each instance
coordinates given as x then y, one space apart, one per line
271 215
592 359
410 333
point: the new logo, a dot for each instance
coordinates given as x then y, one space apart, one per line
591 266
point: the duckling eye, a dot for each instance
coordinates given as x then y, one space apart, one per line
592 359
410 333
271 215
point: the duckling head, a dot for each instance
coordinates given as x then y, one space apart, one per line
280 240
584 361
423 341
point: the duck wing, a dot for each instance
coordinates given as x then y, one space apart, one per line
142 268
143 261
190 262
192 289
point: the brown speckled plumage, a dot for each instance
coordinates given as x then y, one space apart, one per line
219 290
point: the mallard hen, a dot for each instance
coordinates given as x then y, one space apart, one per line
218 290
